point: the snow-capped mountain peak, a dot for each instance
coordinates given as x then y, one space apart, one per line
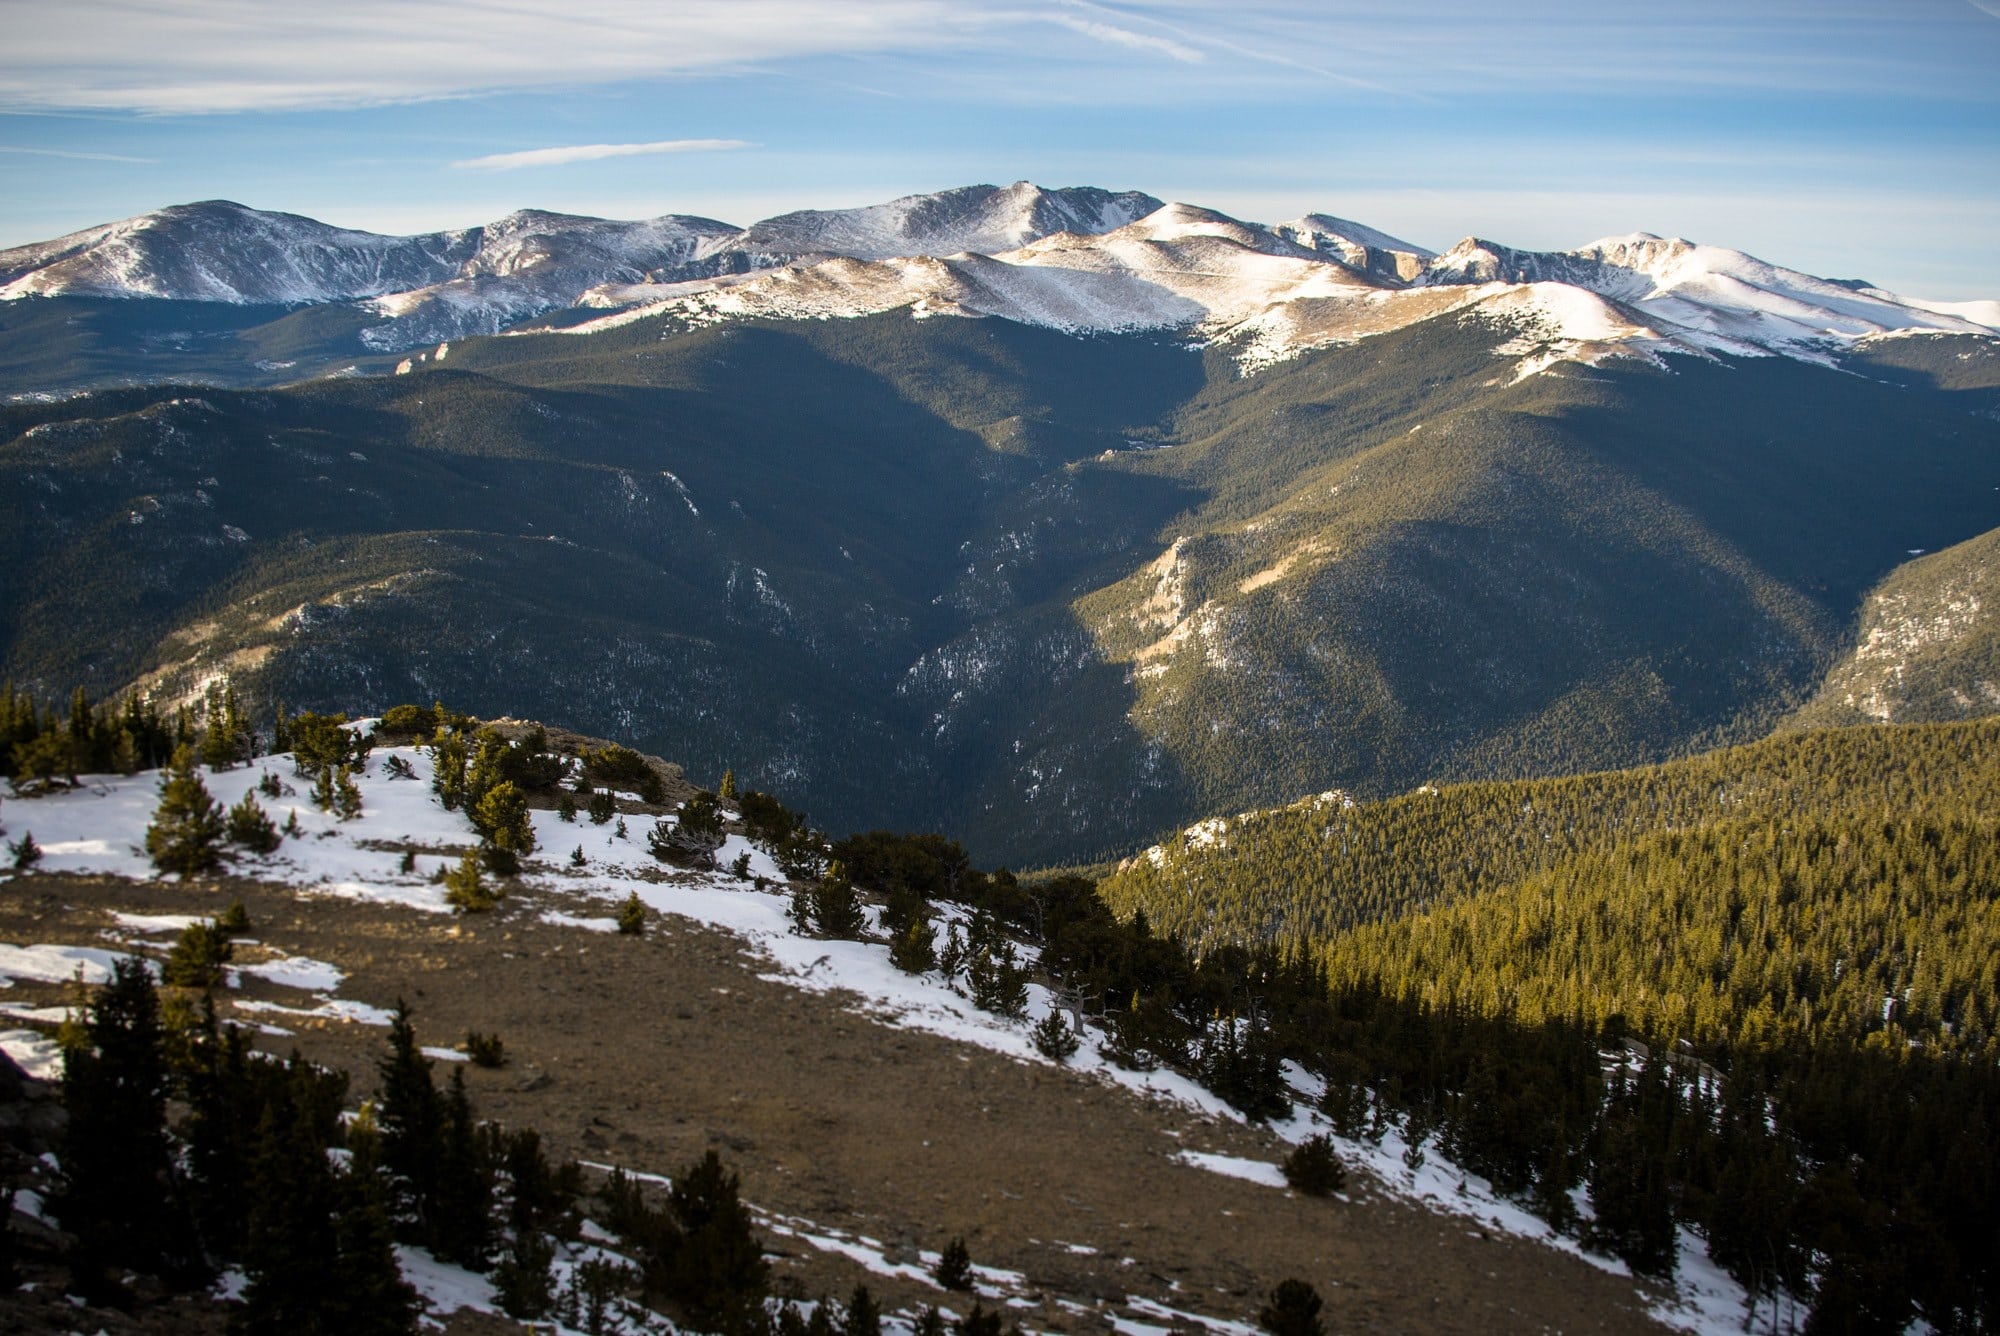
1076 258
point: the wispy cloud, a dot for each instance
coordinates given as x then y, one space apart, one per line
212 56
556 157
72 153
1113 35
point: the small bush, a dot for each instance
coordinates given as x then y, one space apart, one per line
1054 1039
250 827
616 765
234 920
632 916
485 1050
409 720
466 891
25 852
1314 1169
1293 1311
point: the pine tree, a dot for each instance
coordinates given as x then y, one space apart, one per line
632 916
24 852
199 957
411 1117
185 836
119 1195
954 1267
1294 1310
466 891
461 1224
251 828
524 1282
1053 1038
914 949
219 749
863 1316
717 1270
346 794
291 1240
501 814
835 909
727 789
997 982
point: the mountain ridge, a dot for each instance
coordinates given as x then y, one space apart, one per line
1082 259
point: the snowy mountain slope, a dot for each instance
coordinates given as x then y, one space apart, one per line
223 252
1273 292
1712 296
972 218
1357 245
1077 259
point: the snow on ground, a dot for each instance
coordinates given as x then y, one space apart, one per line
33 1052
100 828
314 976
56 964
145 925
1251 1171
445 1288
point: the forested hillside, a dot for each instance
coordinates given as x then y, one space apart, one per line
1053 594
1753 992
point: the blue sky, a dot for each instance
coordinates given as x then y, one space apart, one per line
1851 138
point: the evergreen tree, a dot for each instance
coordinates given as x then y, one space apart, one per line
501 815
411 1117
251 828
119 1195
225 1102
220 746
24 852
834 909
466 891
914 949
981 1321
1630 1198
996 980
346 793
461 1224
863 1316
1053 1038
632 916
1293 1310
199 957
186 834
717 1271
292 1244
524 1282
954 1267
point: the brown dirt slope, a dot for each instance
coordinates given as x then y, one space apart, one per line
644 1052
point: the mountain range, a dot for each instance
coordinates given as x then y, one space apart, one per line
1052 518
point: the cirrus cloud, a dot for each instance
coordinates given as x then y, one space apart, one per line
556 157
